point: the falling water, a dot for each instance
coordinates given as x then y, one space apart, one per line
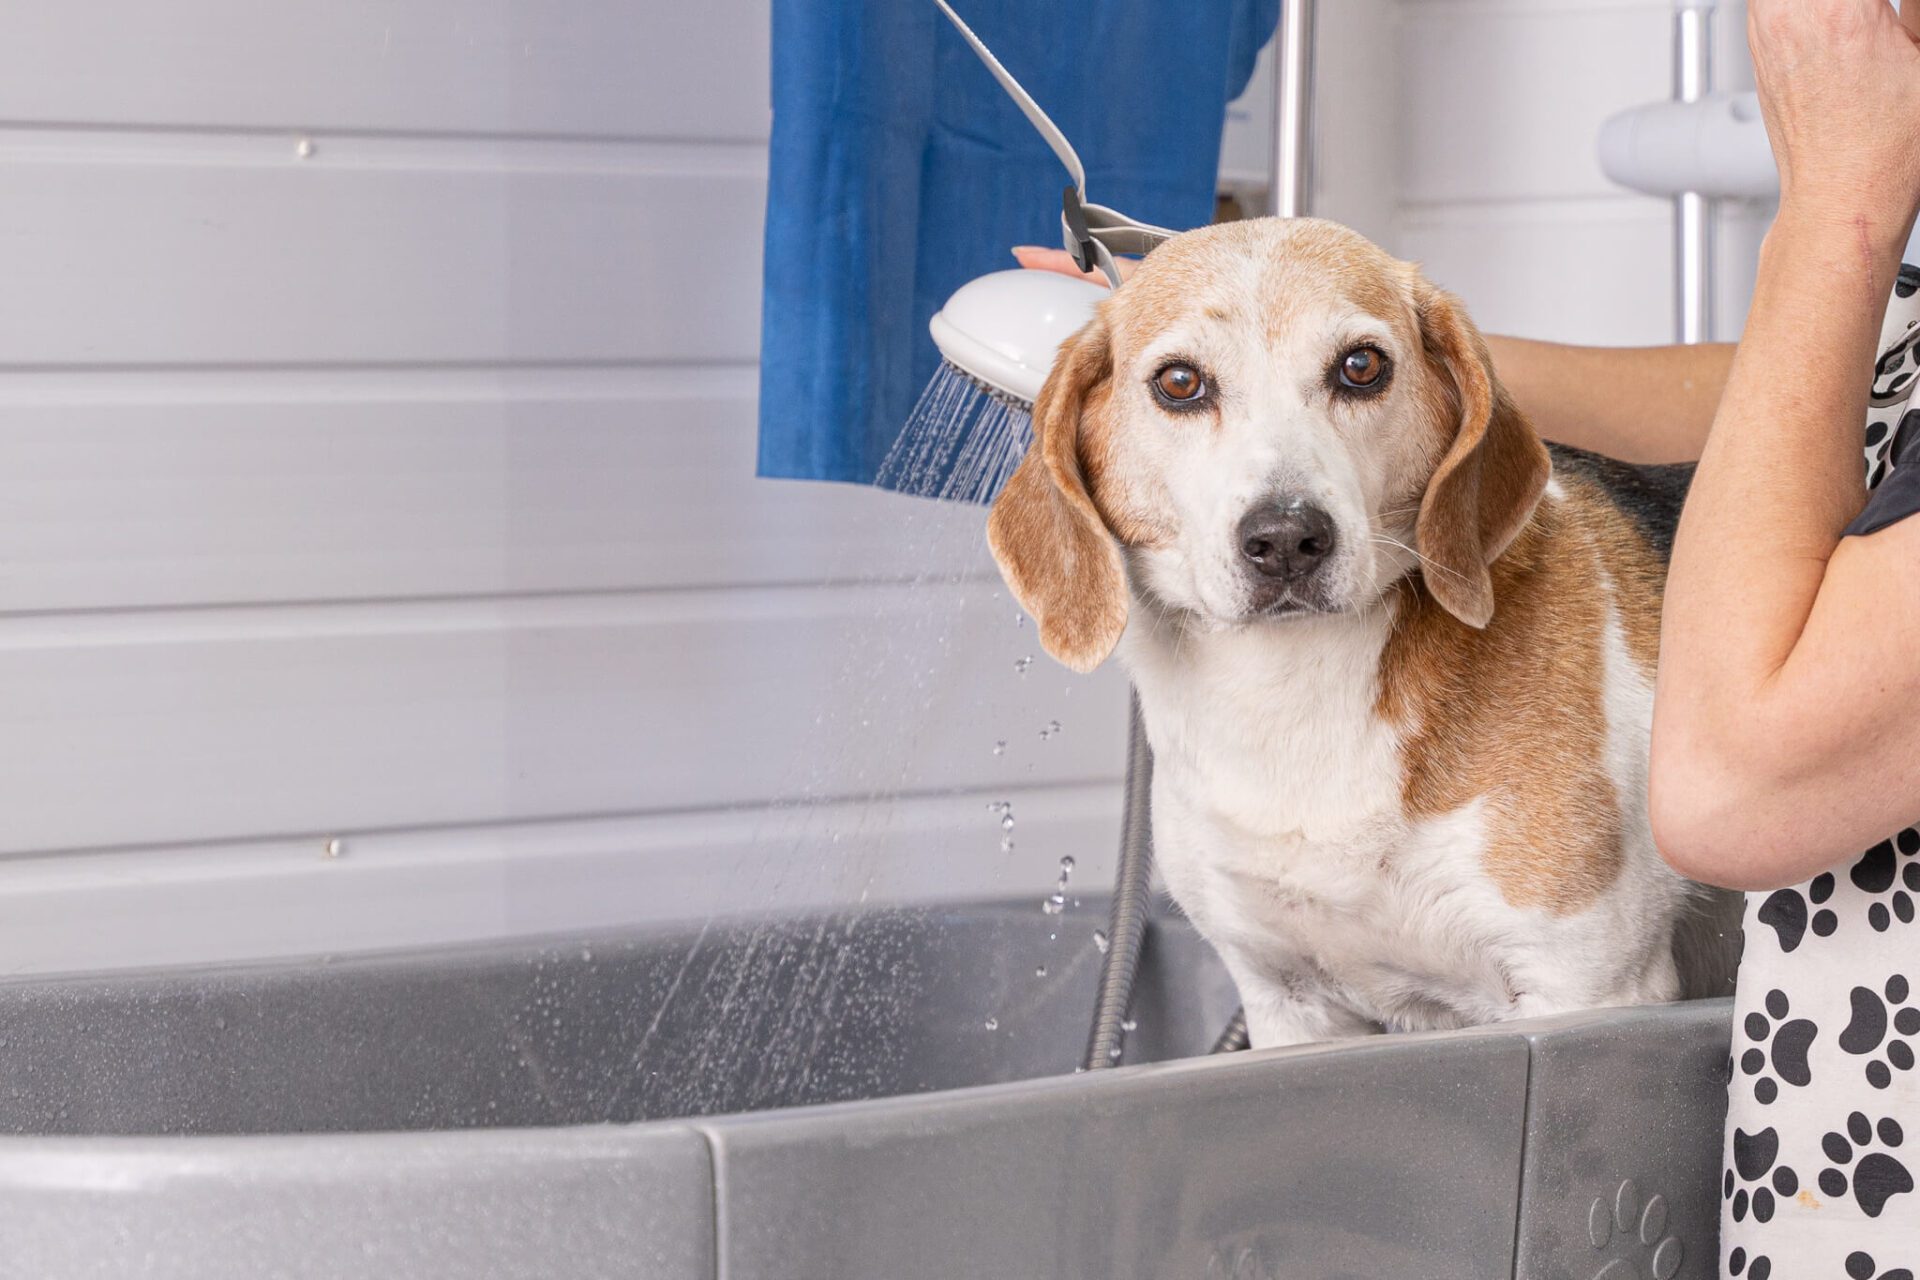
960 443
748 1017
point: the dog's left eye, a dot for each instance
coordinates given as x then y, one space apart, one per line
1180 386
1362 369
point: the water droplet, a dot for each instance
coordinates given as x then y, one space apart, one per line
1006 844
1000 747
1055 904
1040 972
1006 822
304 148
1129 1024
1021 664
1100 942
1053 727
1114 1052
1019 619
334 847
993 1024
1066 865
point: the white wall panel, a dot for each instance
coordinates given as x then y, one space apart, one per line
138 490
672 70
451 254
133 728
256 899
1504 102
376 449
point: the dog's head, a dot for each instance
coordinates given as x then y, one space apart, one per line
1272 418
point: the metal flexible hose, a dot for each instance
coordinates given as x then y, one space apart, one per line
1132 903
1233 1036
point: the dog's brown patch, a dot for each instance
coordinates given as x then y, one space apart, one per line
1514 714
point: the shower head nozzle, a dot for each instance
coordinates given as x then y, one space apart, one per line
1004 329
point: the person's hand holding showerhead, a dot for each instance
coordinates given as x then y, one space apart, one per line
1040 258
1839 84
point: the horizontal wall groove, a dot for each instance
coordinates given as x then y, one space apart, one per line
653 379
291 129
216 621
301 155
716 821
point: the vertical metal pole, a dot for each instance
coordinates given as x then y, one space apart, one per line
1693 212
1292 194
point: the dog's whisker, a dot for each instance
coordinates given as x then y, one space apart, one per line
1425 562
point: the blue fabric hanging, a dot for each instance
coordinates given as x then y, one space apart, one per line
899 171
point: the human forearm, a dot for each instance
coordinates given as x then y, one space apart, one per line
1640 404
1747 729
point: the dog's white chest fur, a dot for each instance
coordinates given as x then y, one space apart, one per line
1280 829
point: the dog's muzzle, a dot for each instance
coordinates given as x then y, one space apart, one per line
1285 547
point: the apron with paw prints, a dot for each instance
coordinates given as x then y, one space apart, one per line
1823 1118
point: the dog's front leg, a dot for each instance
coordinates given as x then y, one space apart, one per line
1298 1010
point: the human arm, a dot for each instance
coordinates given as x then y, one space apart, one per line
1786 729
1639 404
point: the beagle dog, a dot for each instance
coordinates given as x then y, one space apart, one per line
1395 656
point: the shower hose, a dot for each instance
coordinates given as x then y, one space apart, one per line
1132 905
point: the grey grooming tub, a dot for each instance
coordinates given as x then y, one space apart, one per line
875 1096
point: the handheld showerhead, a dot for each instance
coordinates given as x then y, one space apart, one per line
1003 330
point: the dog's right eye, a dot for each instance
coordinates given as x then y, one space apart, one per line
1180 386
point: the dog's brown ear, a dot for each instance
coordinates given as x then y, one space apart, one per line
1491 477
1058 557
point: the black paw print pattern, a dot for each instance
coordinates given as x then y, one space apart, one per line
1887 445
1874 1177
1781 1048
1883 871
1861 1266
1873 1017
1785 912
1758 1269
1753 1158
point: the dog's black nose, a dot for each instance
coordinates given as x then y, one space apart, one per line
1289 542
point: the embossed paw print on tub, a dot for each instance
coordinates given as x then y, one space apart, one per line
1878 1021
1632 1236
1861 1266
1874 1177
1890 873
1747 1185
1780 1049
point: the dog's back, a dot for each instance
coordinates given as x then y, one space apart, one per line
1650 494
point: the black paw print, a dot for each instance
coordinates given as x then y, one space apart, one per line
1875 1177
1782 1046
1869 1024
1880 869
1785 911
1753 1157
1759 1269
1861 1266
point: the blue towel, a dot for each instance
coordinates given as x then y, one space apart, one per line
899 170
